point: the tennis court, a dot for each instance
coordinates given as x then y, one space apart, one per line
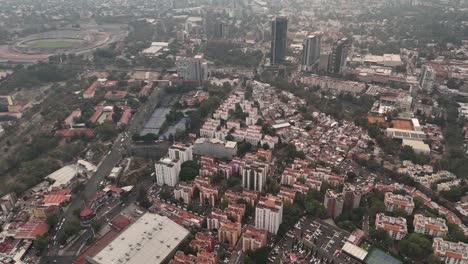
377 256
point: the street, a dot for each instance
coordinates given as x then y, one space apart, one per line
91 187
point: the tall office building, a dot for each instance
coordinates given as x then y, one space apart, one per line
337 59
279 36
219 29
427 78
310 51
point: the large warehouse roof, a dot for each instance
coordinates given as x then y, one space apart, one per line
63 176
149 240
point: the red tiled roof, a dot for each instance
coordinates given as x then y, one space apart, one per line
75 131
126 116
96 247
120 222
32 229
86 212
96 115
91 88
144 91
56 199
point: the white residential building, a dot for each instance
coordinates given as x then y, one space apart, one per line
450 252
167 171
254 175
395 226
269 214
398 201
429 225
182 152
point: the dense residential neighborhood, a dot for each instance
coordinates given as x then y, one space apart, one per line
234 131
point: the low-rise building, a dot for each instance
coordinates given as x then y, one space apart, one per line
429 225
229 232
235 211
209 195
287 195
254 239
184 191
215 148
396 227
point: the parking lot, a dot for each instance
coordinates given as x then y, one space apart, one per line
312 241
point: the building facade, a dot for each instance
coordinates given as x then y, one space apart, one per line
429 225
311 51
167 172
181 152
279 36
396 227
338 56
333 202
269 213
428 75
397 201
254 239
450 252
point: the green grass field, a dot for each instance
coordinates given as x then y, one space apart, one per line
52 44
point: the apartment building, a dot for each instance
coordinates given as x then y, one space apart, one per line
182 152
269 213
229 232
184 191
167 172
396 227
254 175
397 201
254 239
430 225
450 252
333 202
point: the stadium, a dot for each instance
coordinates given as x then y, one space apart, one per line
41 46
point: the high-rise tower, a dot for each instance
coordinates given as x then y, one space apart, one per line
279 35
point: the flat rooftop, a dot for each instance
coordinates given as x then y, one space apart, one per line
149 240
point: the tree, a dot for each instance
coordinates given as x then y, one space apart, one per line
415 246
165 194
52 220
189 170
41 243
222 205
143 198
106 131
243 148
259 256
381 236
351 175
265 146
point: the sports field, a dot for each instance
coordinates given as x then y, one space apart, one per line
51 44
377 256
